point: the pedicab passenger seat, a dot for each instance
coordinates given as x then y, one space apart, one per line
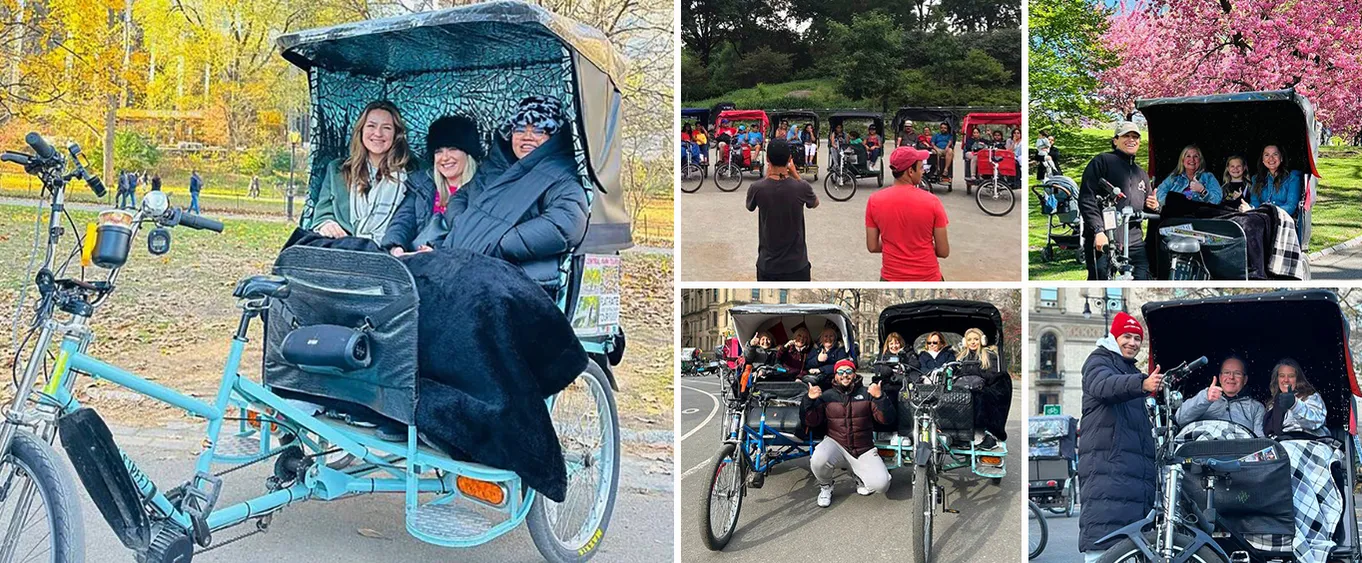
1256 497
781 418
365 291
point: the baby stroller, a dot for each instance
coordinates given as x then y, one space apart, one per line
1053 461
1057 197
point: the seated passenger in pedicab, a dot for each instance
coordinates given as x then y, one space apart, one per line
1296 419
1296 411
907 136
874 146
943 146
850 412
701 140
1225 400
1191 180
1234 184
453 143
795 352
760 350
810 141
1275 184
895 349
936 353
823 361
361 191
981 372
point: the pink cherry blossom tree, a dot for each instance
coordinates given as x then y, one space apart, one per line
1196 47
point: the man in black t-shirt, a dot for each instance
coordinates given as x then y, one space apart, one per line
780 199
1118 167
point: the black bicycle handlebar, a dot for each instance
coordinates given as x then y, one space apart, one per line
40 146
196 221
16 157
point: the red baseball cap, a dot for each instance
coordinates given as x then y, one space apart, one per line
844 364
903 158
1125 324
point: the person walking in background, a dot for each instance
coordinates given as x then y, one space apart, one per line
780 199
254 189
122 190
132 189
195 186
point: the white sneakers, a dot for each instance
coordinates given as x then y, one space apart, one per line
860 488
825 495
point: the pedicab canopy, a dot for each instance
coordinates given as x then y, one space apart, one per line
1009 119
750 115
843 116
695 115
796 117
1222 125
949 316
1052 436
1307 326
782 321
478 60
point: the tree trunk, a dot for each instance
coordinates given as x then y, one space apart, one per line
110 120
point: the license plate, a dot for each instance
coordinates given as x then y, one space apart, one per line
1109 219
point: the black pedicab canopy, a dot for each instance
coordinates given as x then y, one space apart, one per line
874 117
1052 436
796 117
782 320
1307 326
695 115
1223 125
478 60
953 316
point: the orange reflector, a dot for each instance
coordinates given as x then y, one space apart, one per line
991 460
253 420
490 493
887 453
1051 484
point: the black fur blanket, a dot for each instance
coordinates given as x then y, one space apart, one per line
491 348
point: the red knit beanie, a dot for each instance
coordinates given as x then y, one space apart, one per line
1125 324
844 364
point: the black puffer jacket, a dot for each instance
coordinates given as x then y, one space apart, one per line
850 415
993 391
1116 453
825 368
885 374
415 211
551 225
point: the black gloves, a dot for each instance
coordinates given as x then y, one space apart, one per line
1285 400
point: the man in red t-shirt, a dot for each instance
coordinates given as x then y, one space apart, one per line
906 223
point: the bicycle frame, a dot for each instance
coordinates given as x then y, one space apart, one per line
754 441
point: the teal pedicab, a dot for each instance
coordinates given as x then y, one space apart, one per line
479 60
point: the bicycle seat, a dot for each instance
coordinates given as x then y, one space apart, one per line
259 286
1183 245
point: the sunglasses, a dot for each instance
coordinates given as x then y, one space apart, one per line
846 371
933 343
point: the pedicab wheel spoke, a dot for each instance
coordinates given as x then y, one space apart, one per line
994 198
587 425
1125 551
692 177
1038 531
39 511
719 508
728 177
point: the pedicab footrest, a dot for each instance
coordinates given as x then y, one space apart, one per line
238 448
452 523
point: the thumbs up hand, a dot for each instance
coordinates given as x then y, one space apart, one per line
1214 392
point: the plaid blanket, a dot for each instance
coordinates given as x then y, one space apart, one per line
1285 258
1317 503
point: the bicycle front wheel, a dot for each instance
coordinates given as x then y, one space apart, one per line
692 176
1038 531
840 186
923 506
588 428
40 514
994 198
728 176
719 508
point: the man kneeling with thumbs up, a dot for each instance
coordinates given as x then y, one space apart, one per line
1224 400
850 410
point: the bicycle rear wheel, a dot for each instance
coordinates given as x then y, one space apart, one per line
1038 530
994 198
588 427
40 513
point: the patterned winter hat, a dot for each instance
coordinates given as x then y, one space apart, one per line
540 111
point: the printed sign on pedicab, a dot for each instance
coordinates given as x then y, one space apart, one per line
598 302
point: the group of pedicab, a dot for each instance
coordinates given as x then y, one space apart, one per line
925 418
1271 479
336 414
1225 213
731 141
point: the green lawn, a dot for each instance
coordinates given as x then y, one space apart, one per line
813 93
1336 218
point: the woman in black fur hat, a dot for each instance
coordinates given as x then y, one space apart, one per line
454 146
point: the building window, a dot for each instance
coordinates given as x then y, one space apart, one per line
1049 355
714 319
1049 297
784 296
756 296
714 294
1046 399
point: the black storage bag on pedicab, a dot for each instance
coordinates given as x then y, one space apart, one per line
1257 499
372 294
954 412
781 418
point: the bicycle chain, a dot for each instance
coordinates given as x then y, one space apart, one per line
262 525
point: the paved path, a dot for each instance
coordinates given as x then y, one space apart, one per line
719 236
640 530
781 522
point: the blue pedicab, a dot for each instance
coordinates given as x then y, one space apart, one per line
1052 462
935 431
447 502
762 426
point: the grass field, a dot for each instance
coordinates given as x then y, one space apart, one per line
814 93
173 316
1336 215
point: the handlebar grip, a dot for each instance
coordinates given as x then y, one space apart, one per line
40 146
200 222
16 157
95 184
